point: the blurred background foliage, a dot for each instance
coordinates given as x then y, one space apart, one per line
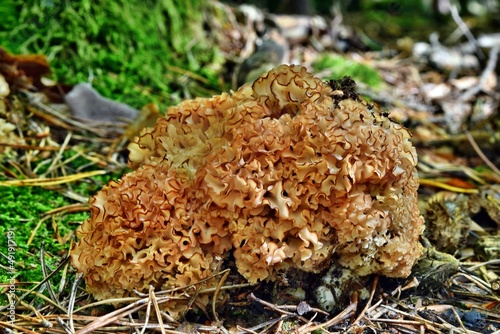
416 7
143 51
383 21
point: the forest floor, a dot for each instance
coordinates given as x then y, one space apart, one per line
445 93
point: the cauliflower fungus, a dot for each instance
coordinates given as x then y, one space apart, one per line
285 172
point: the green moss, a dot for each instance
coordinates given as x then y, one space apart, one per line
8 14
20 211
340 67
23 211
130 47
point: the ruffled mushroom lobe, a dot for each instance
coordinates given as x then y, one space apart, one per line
281 173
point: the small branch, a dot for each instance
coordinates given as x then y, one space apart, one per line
488 70
465 29
71 303
481 154
368 303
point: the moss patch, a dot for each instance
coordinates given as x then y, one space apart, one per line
137 51
25 225
340 67
21 210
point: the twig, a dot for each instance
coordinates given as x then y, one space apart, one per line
488 70
480 153
131 320
64 118
45 274
18 328
109 302
373 307
148 310
152 297
389 99
269 305
459 320
192 301
44 182
434 183
75 156
465 29
33 233
40 319
309 324
217 290
208 290
337 319
65 326
113 316
62 285
276 308
310 309
264 324
406 322
72 297
229 287
36 294
168 317
369 302
415 317
30 147
59 155
245 330
45 280
479 282
482 264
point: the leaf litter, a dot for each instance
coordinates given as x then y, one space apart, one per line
455 124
